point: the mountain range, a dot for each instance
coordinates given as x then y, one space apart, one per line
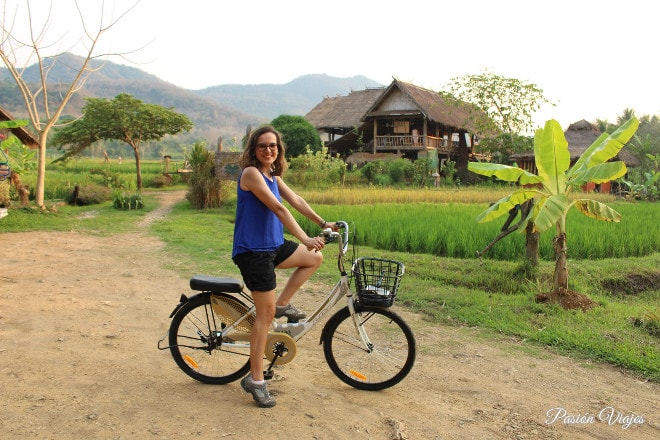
221 110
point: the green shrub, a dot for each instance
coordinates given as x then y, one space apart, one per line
205 188
4 193
398 169
106 177
89 194
127 201
161 181
316 169
372 169
382 180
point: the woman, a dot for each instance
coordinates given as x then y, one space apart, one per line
260 247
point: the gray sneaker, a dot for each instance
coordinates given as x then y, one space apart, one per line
290 312
260 393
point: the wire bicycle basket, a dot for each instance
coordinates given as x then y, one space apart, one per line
377 280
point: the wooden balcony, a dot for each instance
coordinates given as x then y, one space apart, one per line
410 142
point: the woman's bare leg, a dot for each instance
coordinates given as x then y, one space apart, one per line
265 303
306 262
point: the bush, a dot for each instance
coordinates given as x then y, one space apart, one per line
398 169
317 169
106 177
205 188
372 169
161 181
4 194
127 201
90 194
382 180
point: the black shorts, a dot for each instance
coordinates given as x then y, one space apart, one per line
258 268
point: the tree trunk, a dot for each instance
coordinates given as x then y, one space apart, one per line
138 168
41 170
531 245
463 152
560 280
23 191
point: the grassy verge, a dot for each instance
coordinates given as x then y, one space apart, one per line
101 219
620 331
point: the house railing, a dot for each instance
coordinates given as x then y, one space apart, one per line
410 142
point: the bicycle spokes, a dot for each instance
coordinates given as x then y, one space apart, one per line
376 353
202 346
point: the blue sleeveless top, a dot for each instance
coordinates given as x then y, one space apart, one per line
257 228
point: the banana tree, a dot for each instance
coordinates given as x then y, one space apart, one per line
556 179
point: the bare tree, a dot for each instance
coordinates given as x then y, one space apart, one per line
15 49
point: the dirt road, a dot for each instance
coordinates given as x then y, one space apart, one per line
80 317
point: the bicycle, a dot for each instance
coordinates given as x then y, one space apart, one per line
365 344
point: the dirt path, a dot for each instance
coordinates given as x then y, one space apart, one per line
80 317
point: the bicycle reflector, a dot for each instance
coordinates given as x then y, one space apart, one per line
358 375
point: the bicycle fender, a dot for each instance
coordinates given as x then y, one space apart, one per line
337 316
182 301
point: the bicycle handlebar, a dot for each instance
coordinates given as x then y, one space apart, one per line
342 235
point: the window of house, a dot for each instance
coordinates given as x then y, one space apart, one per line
402 126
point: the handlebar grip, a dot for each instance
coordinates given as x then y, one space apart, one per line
331 235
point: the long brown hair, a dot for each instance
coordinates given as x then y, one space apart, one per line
249 157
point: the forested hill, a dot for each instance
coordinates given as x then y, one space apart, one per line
296 97
222 110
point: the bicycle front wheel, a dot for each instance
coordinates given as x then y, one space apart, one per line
196 341
373 352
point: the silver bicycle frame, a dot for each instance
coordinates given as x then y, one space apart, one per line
299 329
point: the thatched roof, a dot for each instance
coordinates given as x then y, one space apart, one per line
343 111
20 132
359 107
433 106
580 135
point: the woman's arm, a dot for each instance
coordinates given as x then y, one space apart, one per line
252 180
299 204
303 207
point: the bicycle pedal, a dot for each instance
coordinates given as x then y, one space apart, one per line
268 374
292 321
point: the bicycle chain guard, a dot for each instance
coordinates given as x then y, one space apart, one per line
232 310
280 343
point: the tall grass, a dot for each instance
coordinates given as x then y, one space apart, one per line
361 195
449 229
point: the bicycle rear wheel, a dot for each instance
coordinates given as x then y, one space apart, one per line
196 343
387 359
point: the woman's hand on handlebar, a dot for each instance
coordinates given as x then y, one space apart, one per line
330 230
332 225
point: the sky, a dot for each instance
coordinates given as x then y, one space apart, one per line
592 59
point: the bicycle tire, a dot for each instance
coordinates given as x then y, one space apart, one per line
388 362
195 347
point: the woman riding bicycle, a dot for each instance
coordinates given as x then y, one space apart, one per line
260 246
